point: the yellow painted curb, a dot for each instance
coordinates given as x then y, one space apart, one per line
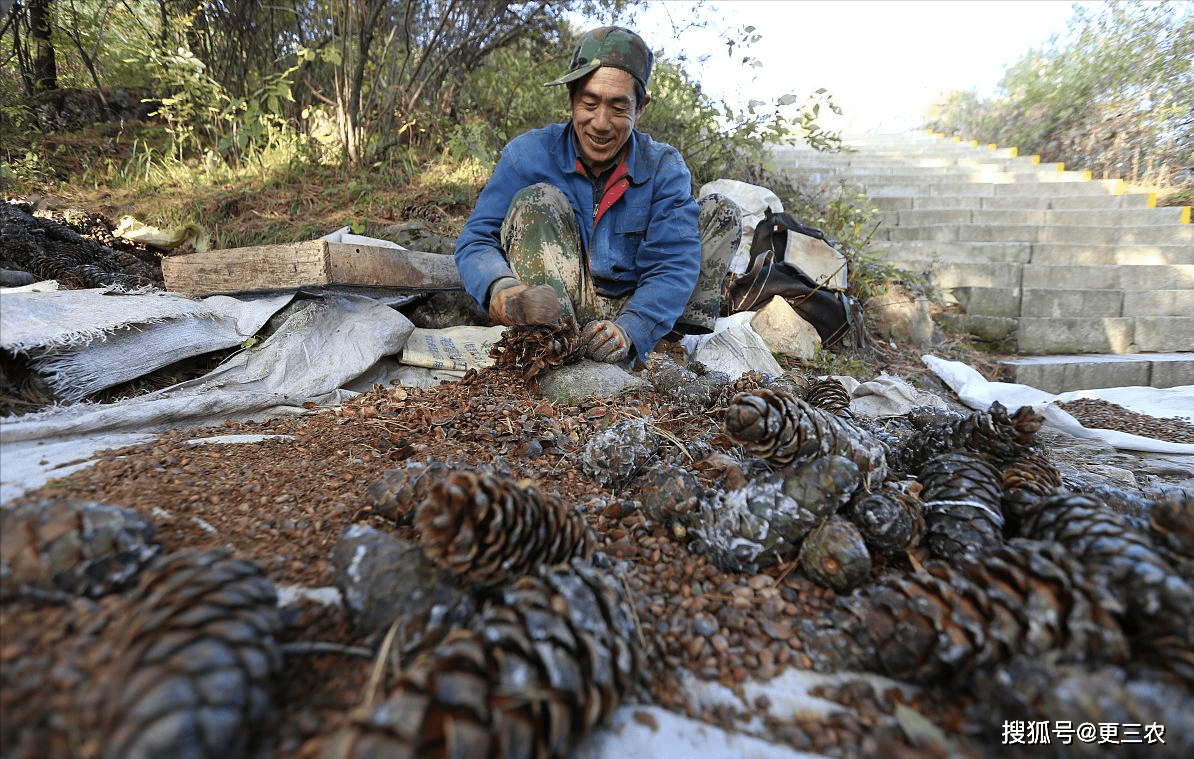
1060 166
1035 159
1185 218
974 143
1087 176
957 138
1152 200
1120 188
1015 152
992 146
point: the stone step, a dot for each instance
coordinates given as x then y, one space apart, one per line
1046 277
931 176
1060 254
970 189
1060 374
1071 234
954 252
1036 303
1107 334
1134 201
1119 217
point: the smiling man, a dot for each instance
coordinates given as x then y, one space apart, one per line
593 219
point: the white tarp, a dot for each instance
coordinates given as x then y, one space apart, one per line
1165 403
82 341
315 352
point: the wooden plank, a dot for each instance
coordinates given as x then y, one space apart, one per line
261 267
376 266
311 263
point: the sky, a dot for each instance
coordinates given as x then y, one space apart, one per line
883 61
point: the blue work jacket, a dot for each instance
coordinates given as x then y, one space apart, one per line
646 244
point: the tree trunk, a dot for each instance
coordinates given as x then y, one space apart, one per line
45 68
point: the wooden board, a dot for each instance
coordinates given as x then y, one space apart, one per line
304 264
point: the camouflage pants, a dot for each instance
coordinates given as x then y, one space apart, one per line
543 247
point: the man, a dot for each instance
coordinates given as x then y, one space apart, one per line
594 219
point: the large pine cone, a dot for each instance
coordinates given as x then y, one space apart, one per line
196 656
1171 523
1148 586
890 519
961 494
783 429
542 665
1031 690
81 548
942 624
683 386
993 433
398 491
486 530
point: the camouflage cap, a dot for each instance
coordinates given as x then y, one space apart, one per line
609 46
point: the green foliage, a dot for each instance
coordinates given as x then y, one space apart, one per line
1114 96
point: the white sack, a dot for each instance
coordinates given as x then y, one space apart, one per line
976 392
754 201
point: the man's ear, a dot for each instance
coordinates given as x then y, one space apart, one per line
646 102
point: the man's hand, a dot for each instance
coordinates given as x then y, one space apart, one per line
605 341
513 303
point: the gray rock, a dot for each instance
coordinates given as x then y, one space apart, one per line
588 379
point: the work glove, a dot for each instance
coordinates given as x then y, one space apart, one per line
605 341
513 303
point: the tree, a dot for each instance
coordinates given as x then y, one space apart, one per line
45 68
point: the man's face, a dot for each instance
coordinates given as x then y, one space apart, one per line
604 112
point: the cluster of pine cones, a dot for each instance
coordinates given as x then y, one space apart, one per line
1016 566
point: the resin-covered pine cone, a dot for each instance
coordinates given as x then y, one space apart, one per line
783 429
891 519
616 454
834 555
961 494
992 433
486 530
547 661
81 548
195 663
941 624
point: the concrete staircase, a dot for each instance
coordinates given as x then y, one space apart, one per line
1093 284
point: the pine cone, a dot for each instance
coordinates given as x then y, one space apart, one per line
398 491
615 455
195 664
485 530
1171 523
759 524
835 556
82 548
1026 480
550 659
1031 690
684 387
992 433
961 494
1024 598
1107 544
890 520
828 394
532 351
779 427
671 496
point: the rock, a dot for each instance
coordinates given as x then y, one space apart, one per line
782 329
902 314
586 379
